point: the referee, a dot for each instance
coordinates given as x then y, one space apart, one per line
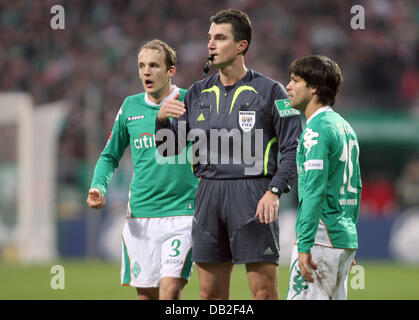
240 120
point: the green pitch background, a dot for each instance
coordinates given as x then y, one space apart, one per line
100 280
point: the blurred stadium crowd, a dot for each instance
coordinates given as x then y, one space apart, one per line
92 62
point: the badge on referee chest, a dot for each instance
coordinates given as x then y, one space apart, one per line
247 120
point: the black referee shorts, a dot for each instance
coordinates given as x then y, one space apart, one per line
225 227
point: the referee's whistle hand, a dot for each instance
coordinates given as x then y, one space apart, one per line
95 199
267 209
171 108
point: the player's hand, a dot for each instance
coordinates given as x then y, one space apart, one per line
267 209
95 199
171 108
305 264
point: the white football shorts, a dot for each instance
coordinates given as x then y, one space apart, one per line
154 248
330 278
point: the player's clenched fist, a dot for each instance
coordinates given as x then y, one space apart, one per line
171 108
95 199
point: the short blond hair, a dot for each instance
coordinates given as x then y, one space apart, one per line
169 53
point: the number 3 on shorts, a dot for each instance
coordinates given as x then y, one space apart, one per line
175 247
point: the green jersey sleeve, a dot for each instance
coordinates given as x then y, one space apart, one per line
112 153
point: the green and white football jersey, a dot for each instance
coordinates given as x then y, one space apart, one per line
329 183
156 190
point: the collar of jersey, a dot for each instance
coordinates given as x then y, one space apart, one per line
174 92
320 110
245 78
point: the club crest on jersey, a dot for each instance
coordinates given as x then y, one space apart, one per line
247 120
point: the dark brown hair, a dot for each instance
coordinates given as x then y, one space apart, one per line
321 73
240 24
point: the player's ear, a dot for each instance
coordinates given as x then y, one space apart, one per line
171 71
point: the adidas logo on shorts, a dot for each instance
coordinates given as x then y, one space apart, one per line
268 251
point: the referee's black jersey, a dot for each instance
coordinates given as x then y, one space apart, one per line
237 131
